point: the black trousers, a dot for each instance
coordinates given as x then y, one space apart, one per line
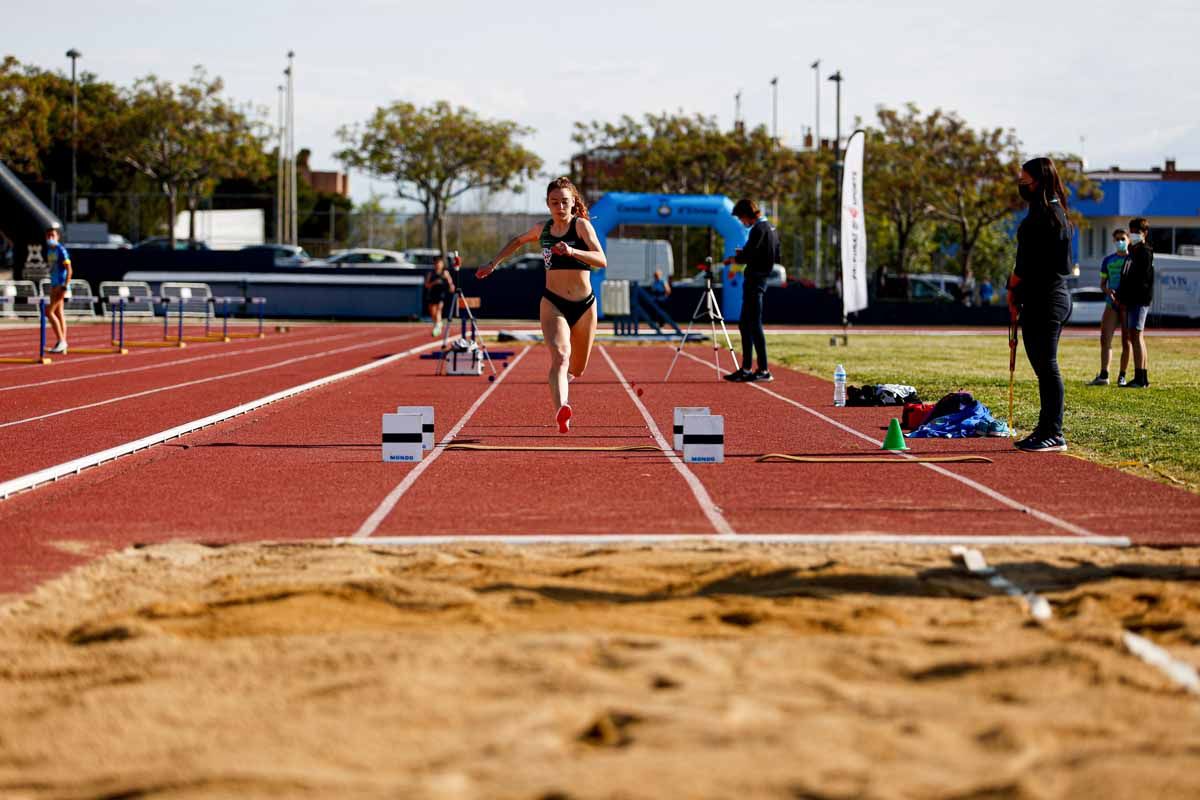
1041 326
754 339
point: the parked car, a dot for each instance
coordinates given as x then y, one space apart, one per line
525 261
368 256
778 277
422 256
921 287
164 243
1087 305
285 255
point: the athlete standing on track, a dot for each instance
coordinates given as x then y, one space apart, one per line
59 262
1038 290
570 251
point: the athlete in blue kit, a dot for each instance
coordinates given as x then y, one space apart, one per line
59 262
570 251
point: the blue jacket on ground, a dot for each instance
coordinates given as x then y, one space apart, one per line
972 419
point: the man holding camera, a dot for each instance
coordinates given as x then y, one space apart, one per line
760 254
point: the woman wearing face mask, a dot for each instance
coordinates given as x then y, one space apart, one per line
1114 313
60 278
1038 292
570 250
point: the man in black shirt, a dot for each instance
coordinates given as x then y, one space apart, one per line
760 254
1135 293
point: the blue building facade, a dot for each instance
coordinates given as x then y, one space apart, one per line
1168 198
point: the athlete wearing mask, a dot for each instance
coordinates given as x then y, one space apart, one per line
59 262
1114 315
570 251
1038 293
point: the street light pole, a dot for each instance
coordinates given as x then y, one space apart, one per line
280 184
775 137
816 66
837 163
737 109
291 73
73 54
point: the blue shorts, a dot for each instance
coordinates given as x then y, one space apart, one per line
1135 317
58 279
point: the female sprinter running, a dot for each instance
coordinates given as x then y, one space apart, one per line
570 251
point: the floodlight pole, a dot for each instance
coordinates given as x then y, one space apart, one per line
291 73
74 54
816 65
837 166
280 185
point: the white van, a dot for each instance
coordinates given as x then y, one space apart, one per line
637 259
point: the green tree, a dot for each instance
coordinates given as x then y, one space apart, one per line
436 154
681 154
25 109
186 139
899 176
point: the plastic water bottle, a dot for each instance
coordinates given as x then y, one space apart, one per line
839 386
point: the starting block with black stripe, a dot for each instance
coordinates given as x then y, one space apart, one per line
426 413
402 437
680 413
703 439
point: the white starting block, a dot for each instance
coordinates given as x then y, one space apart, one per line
680 413
402 437
464 358
703 439
426 413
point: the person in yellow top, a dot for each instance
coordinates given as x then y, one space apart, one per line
59 261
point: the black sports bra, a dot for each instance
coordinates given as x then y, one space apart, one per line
571 238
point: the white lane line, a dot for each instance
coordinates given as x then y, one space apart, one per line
932 539
372 523
75 466
1180 672
227 354
703 499
1003 499
1037 606
198 381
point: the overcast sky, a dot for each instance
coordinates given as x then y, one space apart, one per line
1053 71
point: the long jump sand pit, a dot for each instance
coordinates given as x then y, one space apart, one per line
583 671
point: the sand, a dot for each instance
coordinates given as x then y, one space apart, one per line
542 672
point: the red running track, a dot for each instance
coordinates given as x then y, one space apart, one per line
309 467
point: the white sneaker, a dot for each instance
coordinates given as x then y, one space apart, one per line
61 347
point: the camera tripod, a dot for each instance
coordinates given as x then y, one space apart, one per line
707 307
461 309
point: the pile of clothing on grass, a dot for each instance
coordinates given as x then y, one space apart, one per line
957 415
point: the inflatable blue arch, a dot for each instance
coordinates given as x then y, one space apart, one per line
693 210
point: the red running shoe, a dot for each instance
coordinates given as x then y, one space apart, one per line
563 418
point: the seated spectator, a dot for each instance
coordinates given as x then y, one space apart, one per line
660 287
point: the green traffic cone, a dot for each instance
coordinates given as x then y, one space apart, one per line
895 437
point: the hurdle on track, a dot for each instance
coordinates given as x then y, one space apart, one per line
116 330
166 340
40 302
226 301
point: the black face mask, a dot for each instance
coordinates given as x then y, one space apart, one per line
1026 192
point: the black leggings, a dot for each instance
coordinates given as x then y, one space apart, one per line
754 340
1041 328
